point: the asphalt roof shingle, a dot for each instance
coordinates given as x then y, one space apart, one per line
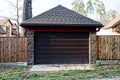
2 31
61 15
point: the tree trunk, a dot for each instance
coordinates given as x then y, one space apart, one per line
27 12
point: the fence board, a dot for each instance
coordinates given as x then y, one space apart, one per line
13 49
108 47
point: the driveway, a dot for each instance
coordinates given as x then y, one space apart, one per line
57 67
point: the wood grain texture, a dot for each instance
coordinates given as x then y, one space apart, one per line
13 49
108 47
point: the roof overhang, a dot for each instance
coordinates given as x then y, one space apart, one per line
34 25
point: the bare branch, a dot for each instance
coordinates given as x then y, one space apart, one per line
11 3
8 18
17 11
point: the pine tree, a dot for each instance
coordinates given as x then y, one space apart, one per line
90 8
100 10
78 6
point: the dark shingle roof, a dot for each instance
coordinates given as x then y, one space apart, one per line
2 31
61 16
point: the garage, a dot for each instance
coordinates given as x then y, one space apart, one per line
61 36
61 48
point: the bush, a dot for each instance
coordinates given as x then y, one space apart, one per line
104 74
65 74
97 64
34 75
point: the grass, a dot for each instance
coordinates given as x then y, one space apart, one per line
22 73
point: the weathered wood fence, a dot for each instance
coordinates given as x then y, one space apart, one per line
108 47
13 49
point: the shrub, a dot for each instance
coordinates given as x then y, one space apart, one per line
34 75
97 64
104 74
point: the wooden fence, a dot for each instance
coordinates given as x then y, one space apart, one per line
108 47
13 49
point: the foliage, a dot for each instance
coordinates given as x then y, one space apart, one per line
100 10
96 7
34 75
78 6
97 64
110 13
10 72
90 8
22 73
104 74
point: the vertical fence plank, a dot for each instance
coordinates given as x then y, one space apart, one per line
3 50
25 49
2 46
0 49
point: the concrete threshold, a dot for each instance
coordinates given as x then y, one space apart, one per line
58 67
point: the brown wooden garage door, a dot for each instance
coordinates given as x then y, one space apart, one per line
61 48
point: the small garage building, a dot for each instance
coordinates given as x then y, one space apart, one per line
61 36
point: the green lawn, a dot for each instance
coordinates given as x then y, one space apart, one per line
22 73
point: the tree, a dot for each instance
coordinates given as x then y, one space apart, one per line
27 12
17 6
90 8
100 10
78 6
110 14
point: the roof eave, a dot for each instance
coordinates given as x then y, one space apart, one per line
26 25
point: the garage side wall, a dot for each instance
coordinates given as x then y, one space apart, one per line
92 48
30 48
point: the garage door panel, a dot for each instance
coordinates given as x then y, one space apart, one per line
63 61
61 36
62 41
61 53
62 56
62 44
61 48
67 36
